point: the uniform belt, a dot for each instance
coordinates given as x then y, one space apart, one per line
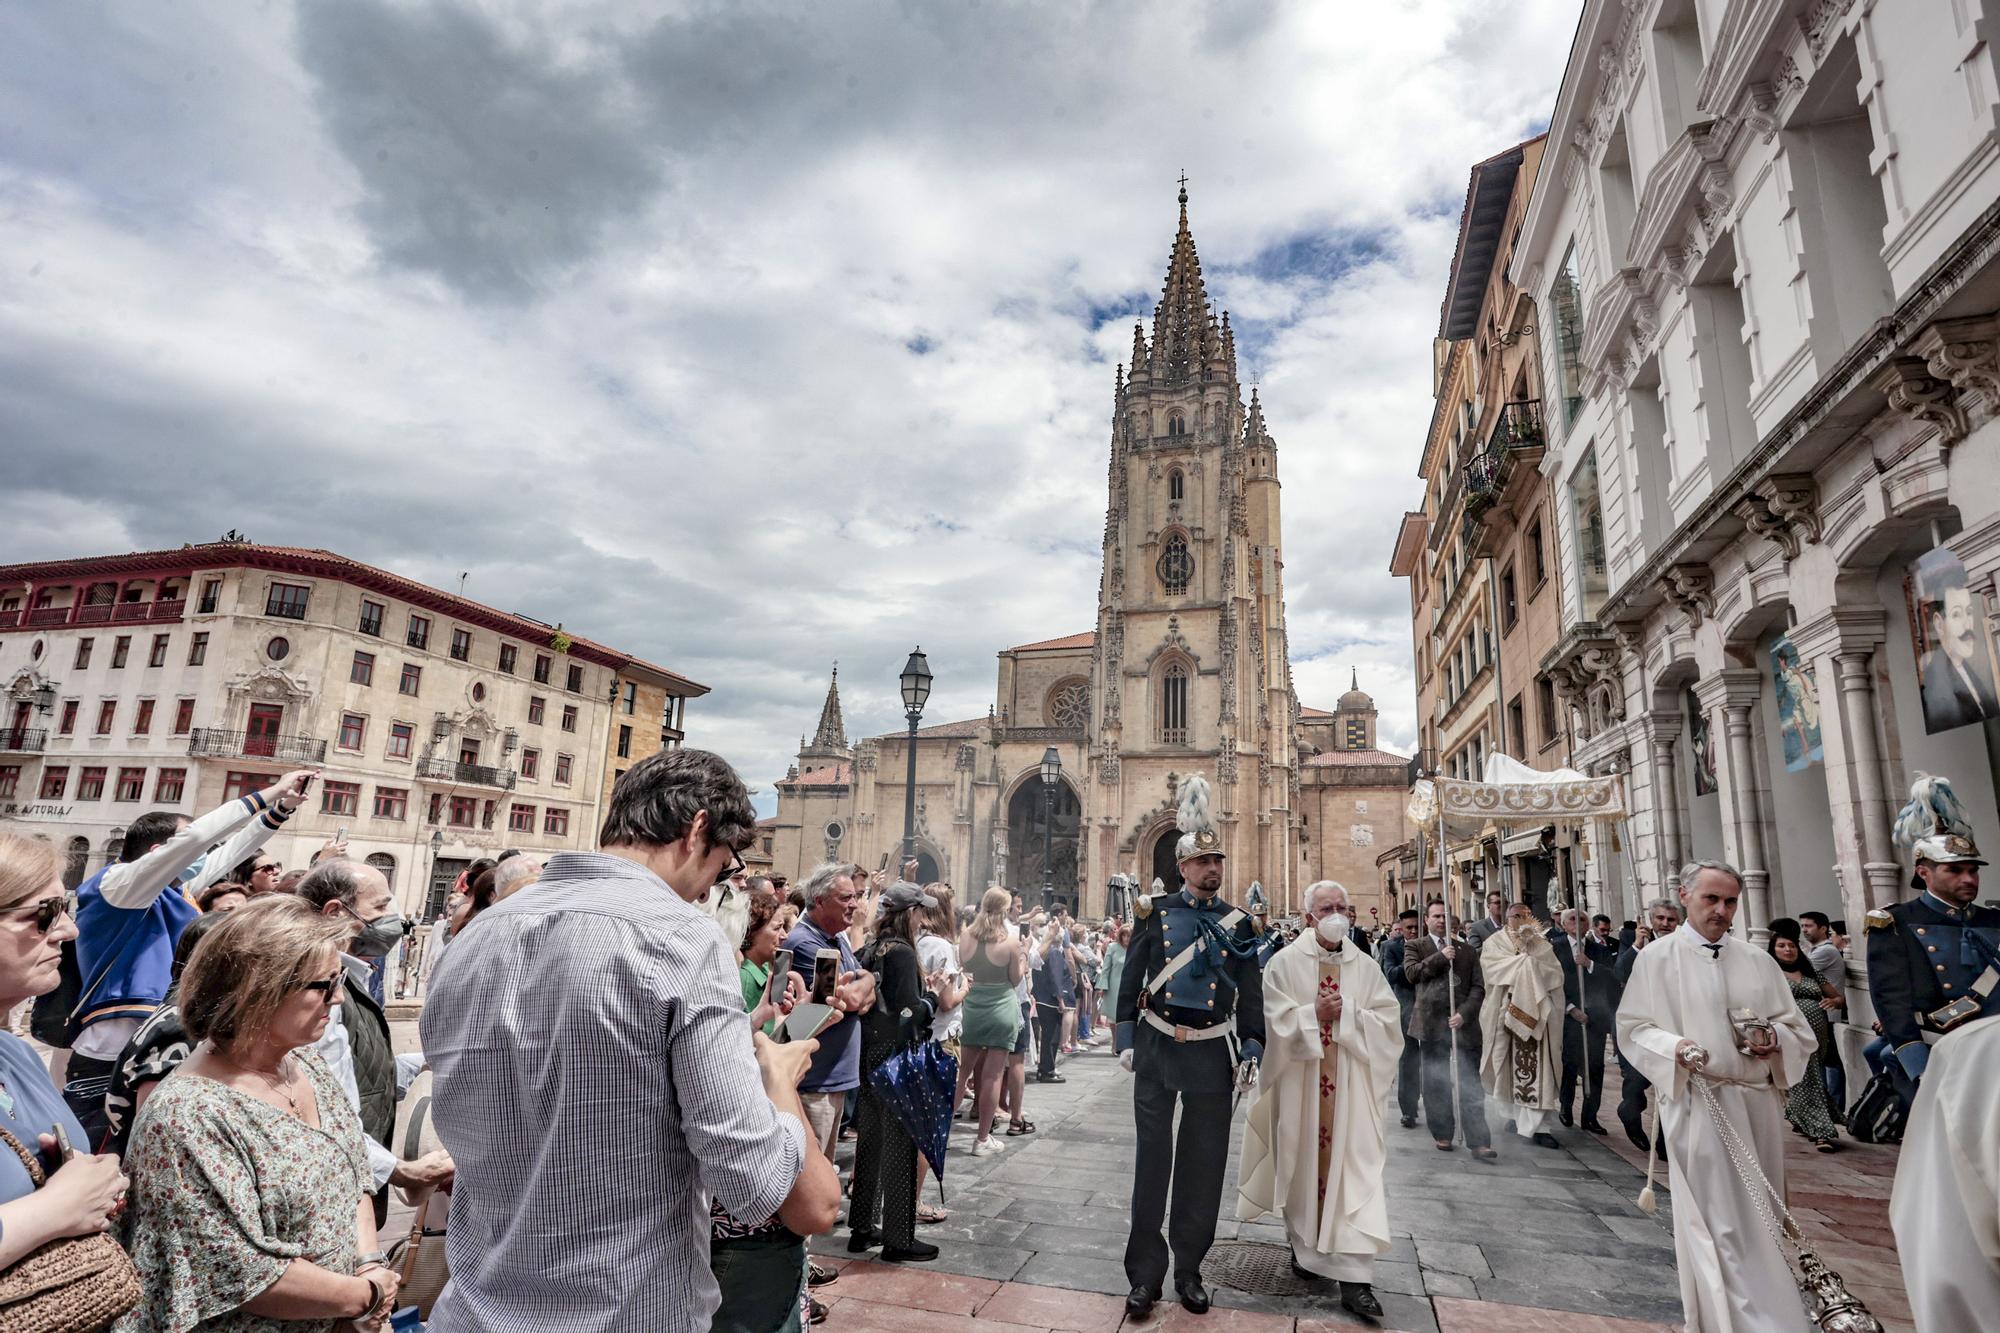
1181 1033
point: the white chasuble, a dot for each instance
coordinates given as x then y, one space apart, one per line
1946 1204
1313 1150
1520 1024
1734 1278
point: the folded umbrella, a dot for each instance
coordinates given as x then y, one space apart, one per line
917 1085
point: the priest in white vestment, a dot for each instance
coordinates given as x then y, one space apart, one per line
1313 1150
1946 1204
1675 1019
1520 1024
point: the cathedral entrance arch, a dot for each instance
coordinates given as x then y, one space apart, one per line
1165 868
1031 827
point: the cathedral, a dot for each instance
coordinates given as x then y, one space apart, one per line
1187 671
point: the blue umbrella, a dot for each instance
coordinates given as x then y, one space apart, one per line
918 1085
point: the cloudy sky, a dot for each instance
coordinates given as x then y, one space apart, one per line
741 336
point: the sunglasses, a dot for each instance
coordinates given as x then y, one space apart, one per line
266 868
734 869
48 911
329 989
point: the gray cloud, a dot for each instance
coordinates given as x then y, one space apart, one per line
485 160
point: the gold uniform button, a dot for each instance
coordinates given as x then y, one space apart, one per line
1931 947
1947 985
1940 967
1920 930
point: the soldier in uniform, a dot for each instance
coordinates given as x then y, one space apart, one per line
1192 968
1934 960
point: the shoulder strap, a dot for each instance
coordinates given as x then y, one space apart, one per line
1186 956
28 1159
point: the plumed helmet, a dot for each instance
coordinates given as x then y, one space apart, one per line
1196 821
1933 826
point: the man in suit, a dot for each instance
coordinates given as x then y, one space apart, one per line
1957 685
1054 990
1568 943
1494 921
1444 972
1409 1069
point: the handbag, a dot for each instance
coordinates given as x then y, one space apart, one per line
73 1284
419 1258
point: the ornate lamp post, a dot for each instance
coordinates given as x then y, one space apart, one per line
916 682
1051 774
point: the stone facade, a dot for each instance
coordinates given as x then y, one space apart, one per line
1773 229
446 730
1186 671
649 712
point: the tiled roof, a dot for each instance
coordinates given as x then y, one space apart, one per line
1087 639
331 564
1313 712
832 776
1356 759
966 730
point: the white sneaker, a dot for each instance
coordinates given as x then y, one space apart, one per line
987 1147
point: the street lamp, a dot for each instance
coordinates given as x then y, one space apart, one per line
916 682
1051 774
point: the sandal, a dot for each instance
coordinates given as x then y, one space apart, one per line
1016 1128
930 1213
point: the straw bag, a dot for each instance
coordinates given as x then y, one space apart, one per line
76 1284
419 1258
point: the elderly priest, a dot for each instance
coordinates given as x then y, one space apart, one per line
1312 1145
1520 1024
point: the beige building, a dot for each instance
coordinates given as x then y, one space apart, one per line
648 715
1187 671
176 680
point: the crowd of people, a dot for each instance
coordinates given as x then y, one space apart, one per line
643 1069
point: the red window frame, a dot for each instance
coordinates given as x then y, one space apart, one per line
363 670
340 798
555 822
55 781
90 783
131 785
402 738
170 785
353 731
520 819
107 715
392 803
183 717
142 725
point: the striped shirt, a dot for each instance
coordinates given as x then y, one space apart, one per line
595 1085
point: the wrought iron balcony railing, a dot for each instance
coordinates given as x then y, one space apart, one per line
218 743
471 775
23 740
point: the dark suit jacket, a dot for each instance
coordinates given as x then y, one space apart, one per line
1603 986
1424 966
1399 982
1948 701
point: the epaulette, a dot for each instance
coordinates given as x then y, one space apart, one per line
1143 908
1880 919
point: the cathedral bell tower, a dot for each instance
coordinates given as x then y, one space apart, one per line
1191 670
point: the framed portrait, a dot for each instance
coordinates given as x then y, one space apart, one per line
1700 747
1798 706
1954 646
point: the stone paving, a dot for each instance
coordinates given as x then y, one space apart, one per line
1544 1240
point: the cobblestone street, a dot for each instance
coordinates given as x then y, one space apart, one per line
1545 1240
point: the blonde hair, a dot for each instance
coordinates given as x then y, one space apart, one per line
990 926
26 867
246 967
944 917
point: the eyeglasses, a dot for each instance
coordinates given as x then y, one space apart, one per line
44 914
735 868
329 989
267 868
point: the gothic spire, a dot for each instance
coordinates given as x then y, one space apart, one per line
1253 428
832 733
1180 321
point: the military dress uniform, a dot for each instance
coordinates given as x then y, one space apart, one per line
1186 1038
1924 956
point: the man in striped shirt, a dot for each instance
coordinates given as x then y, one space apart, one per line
597 1084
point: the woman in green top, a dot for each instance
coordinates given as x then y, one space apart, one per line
761 941
996 963
1113 969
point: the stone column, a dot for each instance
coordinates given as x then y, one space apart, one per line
1736 692
1840 645
1663 732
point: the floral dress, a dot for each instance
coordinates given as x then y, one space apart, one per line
228 1190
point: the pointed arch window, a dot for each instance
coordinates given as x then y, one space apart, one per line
1176 424
1176 566
1174 704
1176 485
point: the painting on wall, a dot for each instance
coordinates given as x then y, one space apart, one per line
1798 706
1955 657
1700 748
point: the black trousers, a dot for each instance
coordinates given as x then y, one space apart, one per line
1632 1096
885 1172
1190 1166
1048 1035
1585 1058
1409 1072
1437 1093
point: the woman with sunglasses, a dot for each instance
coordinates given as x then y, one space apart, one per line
80 1197
251 1206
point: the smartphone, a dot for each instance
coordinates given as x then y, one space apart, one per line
1024 930
63 1149
341 836
781 972
826 974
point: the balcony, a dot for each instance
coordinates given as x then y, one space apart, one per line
468 775
47 617
22 740
1500 473
217 743
97 613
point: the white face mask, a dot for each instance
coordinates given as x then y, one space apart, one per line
1332 929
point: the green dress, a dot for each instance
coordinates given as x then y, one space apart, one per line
1112 973
992 1008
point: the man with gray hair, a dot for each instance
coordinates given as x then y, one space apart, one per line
1710 1019
356 1045
514 874
833 896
